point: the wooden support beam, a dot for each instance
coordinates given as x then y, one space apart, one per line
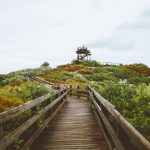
135 137
70 90
40 130
115 139
8 139
1 131
78 91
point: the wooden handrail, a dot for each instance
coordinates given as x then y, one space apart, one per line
41 80
136 138
12 113
122 136
103 108
51 104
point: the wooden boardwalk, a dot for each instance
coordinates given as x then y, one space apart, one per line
73 128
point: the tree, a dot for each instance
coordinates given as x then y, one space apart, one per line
140 65
45 64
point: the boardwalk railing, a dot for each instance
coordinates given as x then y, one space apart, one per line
73 89
110 63
40 80
77 90
118 132
20 126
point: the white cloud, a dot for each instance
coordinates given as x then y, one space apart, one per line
32 31
130 38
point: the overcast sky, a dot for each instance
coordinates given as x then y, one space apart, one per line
34 31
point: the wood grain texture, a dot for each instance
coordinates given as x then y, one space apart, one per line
135 137
74 128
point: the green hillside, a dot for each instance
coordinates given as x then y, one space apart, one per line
125 86
16 88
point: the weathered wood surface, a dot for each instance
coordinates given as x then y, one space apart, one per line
40 130
9 137
74 128
115 139
18 131
134 137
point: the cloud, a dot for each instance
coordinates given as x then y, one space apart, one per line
131 35
127 43
142 22
117 41
33 31
146 13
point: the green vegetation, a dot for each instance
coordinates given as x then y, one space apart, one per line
25 91
132 101
44 68
16 89
89 63
125 86
45 65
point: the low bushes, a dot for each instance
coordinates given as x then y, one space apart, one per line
133 102
17 90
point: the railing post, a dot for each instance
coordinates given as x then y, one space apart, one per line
78 92
123 136
70 90
51 110
88 97
1 131
65 98
34 111
66 94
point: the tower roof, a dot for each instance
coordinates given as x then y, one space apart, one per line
83 50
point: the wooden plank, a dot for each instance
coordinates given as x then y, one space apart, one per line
1 131
105 136
137 138
103 101
7 115
100 124
115 139
40 130
74 128
7 140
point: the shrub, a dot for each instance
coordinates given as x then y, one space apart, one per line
139 80
101 77
14 80
123 73
90 63
73 67
7 102
140 69
85 70
80 78
133 102
101 70
45 64
26 91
